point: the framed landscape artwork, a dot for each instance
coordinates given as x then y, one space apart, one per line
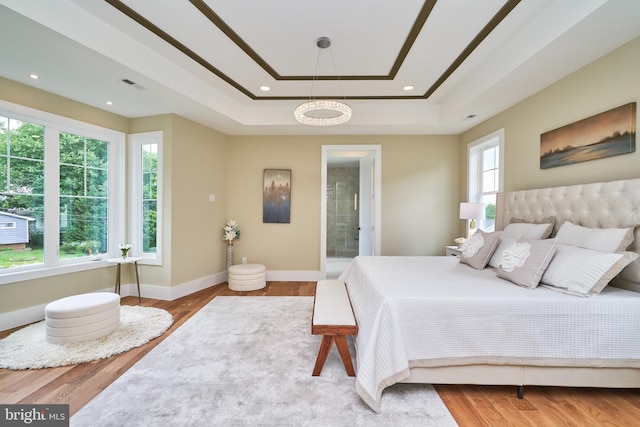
276 196
606 134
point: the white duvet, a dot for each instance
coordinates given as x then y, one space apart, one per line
434 311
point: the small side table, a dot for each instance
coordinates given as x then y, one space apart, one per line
452 251
119 262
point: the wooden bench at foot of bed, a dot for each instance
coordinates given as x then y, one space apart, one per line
333 319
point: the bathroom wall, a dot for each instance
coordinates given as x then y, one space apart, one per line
342 213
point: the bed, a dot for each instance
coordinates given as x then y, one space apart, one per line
437 320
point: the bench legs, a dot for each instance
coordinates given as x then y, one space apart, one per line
343 349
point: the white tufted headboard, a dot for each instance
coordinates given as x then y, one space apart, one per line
596 205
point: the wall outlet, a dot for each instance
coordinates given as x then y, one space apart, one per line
244 259
212 197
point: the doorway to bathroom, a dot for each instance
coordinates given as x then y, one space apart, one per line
351 205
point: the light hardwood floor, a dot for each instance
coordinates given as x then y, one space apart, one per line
469 405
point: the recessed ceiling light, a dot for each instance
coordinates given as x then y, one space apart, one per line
109 103
408 87
265 88
34 76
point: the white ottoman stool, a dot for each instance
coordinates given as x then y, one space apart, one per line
81 317
247 277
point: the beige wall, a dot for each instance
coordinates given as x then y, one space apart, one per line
420 181
609 82
278 246
198 169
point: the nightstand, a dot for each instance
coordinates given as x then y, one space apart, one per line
452 250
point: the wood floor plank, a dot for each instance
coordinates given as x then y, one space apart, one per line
503 404
492 406
475 406
460 402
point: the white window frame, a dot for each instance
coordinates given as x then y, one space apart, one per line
474 166
136 141
53 125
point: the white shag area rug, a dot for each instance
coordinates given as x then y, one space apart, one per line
247 361
27 348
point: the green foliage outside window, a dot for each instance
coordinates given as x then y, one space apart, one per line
84 187
83 190
22 185
149 197
490 211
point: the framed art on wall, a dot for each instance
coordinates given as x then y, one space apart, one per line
276 196
606 134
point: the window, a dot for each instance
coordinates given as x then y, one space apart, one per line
84 190
7 225
146 193
22 187
486 169
62 177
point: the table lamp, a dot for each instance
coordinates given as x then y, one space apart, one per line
472 211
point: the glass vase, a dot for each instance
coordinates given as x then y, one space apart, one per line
229 254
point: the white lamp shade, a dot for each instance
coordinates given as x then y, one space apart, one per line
472 210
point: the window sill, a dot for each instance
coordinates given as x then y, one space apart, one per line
12 276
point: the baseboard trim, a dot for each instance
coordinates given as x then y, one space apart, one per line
25 316
294 276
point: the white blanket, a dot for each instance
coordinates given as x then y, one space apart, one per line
434 311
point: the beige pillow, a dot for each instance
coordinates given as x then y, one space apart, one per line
584 272
477 250
518 230
525 261
549 220
608 240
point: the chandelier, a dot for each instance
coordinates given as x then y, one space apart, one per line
322 112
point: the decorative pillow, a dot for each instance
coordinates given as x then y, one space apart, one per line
525 261
477 250
607 240
631 272
549 220
515 231
584 272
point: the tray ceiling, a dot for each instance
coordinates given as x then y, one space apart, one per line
206 60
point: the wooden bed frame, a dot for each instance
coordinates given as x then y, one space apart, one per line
598 205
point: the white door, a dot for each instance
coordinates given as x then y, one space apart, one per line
366 235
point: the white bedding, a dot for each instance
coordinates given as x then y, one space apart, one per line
434 311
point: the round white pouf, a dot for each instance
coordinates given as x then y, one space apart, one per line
81 317
247 277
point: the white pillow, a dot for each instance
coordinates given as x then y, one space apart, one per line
525 261
608 240
583 272
515 231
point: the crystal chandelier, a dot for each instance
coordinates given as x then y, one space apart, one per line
322 112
